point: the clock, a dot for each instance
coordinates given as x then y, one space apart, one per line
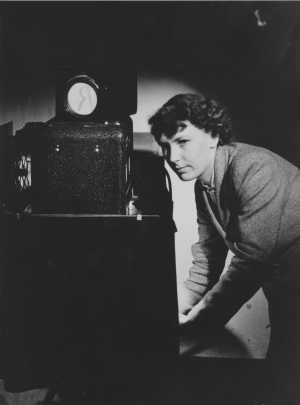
106 92
82 96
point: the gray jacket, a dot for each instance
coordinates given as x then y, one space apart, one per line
256 200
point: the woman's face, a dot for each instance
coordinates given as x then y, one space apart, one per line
190 152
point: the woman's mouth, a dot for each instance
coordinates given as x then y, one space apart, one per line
181 169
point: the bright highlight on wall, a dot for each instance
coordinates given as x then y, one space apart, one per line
153 91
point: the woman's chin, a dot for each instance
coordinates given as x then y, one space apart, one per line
186 176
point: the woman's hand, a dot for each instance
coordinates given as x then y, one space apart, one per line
191 316
182 318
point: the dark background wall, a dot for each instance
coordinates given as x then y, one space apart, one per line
245 52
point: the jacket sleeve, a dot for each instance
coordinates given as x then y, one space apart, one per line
259 190
208 258
234 288
252 234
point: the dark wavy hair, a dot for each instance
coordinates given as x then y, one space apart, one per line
203 112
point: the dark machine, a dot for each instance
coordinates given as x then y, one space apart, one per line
90 286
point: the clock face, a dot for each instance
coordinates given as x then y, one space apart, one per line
82 98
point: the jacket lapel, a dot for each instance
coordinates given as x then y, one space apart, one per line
222 160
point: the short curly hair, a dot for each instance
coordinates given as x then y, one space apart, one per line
203 112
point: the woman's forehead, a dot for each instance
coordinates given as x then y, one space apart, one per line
192 132
170 138
172 132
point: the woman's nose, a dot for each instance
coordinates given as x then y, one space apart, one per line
174 153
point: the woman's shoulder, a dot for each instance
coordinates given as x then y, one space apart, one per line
243 154
245 159
237 157
241 150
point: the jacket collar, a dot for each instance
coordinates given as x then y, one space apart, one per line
223 158
221 163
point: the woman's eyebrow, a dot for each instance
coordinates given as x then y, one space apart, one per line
179 137
182 125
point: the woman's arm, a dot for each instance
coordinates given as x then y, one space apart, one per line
208 253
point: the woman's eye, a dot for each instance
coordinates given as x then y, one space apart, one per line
182 141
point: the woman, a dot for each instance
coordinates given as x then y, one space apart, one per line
248 201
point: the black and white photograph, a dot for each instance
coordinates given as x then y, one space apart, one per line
150 203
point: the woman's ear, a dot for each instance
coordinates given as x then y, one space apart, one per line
214 142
